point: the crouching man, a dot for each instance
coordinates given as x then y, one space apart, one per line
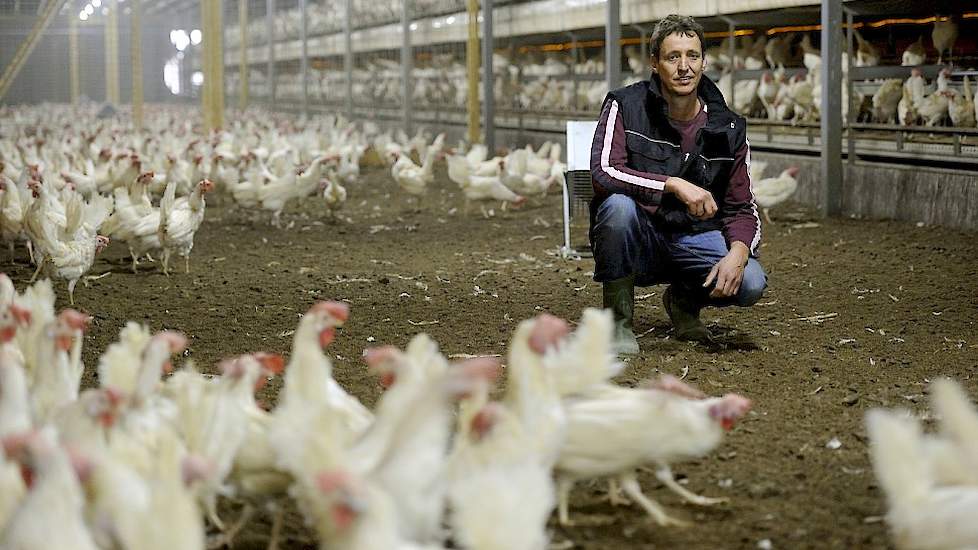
673 201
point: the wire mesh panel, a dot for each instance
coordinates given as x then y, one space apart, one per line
377 74
438 73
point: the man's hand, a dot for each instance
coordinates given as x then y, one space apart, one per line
728 272
698 201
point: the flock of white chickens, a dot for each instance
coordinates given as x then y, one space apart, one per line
541 81
143 460
65 199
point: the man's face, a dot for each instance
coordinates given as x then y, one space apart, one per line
680 64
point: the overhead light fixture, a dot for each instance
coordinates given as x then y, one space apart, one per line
195 36
83 15
89 9
97 3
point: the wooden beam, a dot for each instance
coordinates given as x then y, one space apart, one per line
472 70
213 63
27 46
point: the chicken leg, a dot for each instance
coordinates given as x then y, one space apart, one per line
664 474
166 263
71 291
614 493
634 491
564 485
226 538
37 271
277 519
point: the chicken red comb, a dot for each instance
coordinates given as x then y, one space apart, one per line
114 395
730 409
547 331
485 368
338 310
176 340
21 314
74 319
485 419
195 468
272 362
14 444
793 171
331 481
374 357
231 367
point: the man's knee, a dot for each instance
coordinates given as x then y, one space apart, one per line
616 213
753 285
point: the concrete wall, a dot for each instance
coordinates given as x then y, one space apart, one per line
934 196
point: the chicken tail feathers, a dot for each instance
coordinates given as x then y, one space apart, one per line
959 420
895 441
166 205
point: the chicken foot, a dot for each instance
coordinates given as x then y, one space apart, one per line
664 474
653 508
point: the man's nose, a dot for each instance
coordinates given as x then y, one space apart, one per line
683 63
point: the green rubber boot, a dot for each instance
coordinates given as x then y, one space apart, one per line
685 317
619 297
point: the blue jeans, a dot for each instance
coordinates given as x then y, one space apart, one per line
625 242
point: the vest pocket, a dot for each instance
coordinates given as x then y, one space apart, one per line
651 156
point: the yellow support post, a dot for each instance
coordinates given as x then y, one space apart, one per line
27 46
136 45
112 53
73 69
472 71
213 61
243 71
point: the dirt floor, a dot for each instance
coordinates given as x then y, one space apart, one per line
858 314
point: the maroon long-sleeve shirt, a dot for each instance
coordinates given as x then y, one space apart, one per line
611 173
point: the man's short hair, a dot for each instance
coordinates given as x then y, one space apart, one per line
674 24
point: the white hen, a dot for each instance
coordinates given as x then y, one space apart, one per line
921 514
770 192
